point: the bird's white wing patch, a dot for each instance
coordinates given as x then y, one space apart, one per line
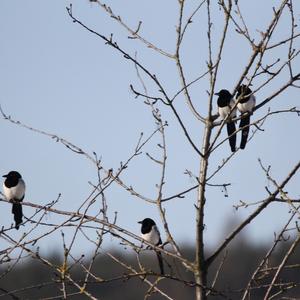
247 106
15 192
153 236
224 111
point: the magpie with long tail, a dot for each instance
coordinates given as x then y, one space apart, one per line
151 234
14 191
245 105
225 104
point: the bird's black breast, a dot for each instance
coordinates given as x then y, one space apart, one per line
223 102
224 98
244 92
146 228
11 182
244 97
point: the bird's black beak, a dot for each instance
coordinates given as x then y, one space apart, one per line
217 94
4 176
140 222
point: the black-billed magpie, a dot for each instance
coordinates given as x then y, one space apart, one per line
245 105
14 190
225 107
150 233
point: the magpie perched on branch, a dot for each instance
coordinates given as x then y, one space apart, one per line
245 106
225 104
14 190
150 233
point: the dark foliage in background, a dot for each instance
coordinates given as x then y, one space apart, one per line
240 263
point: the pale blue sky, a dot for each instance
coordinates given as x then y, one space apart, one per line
58 77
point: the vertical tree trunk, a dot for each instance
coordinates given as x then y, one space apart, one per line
200 266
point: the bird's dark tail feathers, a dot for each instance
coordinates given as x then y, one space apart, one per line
18 214
245 121
232 137
160 262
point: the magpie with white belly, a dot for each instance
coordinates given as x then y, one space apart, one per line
14 190
245 106
150 233
225 104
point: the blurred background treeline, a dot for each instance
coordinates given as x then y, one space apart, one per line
34 280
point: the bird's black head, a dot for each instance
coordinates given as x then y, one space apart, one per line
243 90
147 225
147 222
224 98
13 174
223 93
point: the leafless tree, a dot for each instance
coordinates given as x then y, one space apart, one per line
264 70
